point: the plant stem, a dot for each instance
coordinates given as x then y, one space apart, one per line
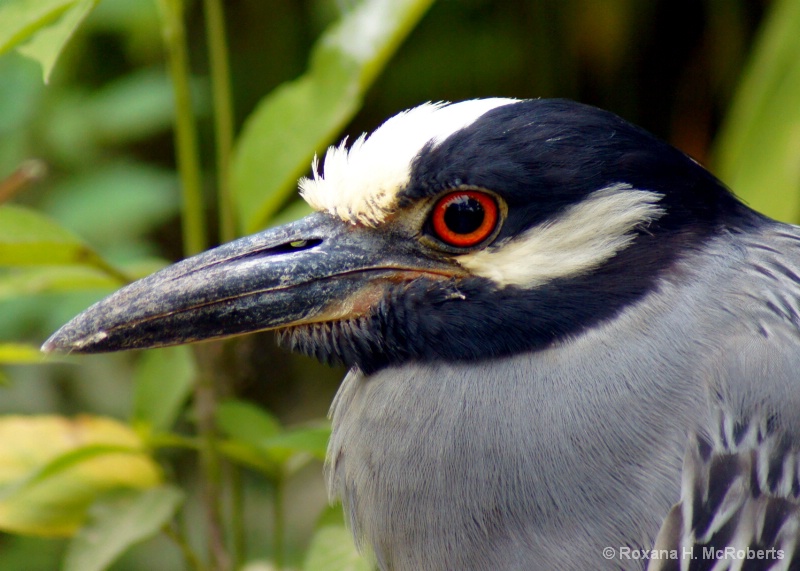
186 147
28 172
279 516
192 560
237 514
170 440
223 113
194 241
205 404
101 264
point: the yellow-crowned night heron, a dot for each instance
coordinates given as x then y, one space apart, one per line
544 310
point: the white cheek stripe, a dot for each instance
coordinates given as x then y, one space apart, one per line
580 239
361 184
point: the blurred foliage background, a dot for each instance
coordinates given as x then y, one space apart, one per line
93 151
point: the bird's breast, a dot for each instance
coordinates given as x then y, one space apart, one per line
544 457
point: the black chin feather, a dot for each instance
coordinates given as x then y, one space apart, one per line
350 342
466 320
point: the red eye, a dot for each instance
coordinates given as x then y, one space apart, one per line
465 218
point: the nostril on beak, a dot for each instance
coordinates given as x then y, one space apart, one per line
299 245
285 248
303 244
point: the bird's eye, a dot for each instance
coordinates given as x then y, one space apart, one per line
464 218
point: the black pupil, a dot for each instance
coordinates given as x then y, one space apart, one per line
464 215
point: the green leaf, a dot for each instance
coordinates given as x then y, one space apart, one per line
250 457
22 553
332 547
302 116
258 442
28 238
139 105
313 440
81 125
21 92
47 279
163 381
117 522
136 106
19 354
246 422
758 151
295 210
20 19
115 203
49 42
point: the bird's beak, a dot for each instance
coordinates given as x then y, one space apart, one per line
314 270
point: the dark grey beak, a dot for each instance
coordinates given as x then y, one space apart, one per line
317 269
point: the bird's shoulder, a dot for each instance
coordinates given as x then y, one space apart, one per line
740 496
768 279
753 321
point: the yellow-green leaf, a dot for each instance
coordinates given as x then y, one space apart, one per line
19 354
48 43
20 19
302 116
758 151
52 469
28 238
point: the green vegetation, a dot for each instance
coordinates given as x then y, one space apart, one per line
135 132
